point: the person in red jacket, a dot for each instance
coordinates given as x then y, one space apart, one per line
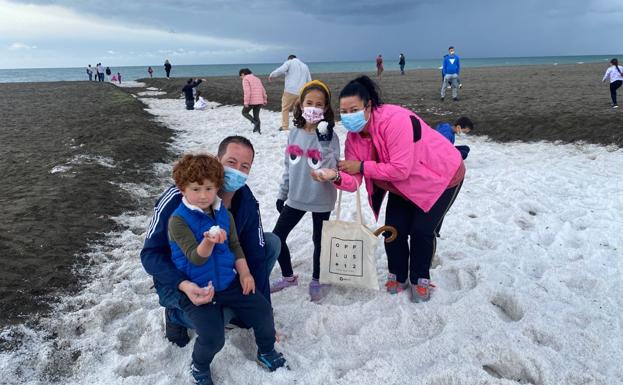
254 97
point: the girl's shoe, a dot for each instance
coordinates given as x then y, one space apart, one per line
284 282
393 286
421 291
271 361
317 290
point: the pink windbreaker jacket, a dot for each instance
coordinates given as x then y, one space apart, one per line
254 92
415 158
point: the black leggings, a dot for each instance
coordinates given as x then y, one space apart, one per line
410 254
614 86
255 119
288 218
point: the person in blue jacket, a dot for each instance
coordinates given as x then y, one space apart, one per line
261 249
450 69
462 126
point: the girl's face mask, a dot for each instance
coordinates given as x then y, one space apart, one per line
313 115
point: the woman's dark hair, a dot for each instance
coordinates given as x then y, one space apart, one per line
365 88
329 116
244 71
615 63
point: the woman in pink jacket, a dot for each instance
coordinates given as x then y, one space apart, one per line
396 152
254 97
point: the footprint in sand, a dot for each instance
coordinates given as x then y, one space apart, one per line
507 307
543 338
456 279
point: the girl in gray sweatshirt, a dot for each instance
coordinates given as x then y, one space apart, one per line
311 146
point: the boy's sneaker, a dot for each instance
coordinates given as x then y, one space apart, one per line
317 290
393 286
175 333
284 282
271 361
421 291
201 378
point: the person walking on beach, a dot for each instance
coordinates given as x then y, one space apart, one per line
297 74
150 71
450 69
100 72
401 62
108 73
90 72
379 66
254 97
397 154
615 74
167 68
189 90
298 192
261 249
119 77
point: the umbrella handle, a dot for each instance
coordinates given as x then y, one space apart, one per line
390 229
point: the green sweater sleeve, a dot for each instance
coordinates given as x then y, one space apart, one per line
182 235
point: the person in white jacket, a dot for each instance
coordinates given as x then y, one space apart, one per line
296 74
615 74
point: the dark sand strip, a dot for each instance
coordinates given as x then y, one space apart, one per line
50 218
566 103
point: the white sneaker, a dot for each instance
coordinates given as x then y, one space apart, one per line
615 106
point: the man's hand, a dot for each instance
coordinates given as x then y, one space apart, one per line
197 295
351 167
248 283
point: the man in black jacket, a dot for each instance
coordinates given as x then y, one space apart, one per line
188 91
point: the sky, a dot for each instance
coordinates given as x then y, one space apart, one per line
64 33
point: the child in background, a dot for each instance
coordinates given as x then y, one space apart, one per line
463 125
311 146
119 77
254 97
150 71
200 103
205 246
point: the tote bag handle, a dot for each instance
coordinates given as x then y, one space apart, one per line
358 204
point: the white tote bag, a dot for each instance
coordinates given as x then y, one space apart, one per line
347 251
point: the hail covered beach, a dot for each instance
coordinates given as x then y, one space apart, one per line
528 269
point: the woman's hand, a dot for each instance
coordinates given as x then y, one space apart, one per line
248 284
323 175
197 295
351 167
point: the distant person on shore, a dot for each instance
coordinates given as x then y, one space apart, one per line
254 97
114 78
167 68
450 69
615 74
205 246
150 71
189 91
90 72
261 249
401 62
100 72
200 102
297 74
379 66
394 151
108 73
119 77
310 147
462 126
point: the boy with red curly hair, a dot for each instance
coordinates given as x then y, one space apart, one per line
205 246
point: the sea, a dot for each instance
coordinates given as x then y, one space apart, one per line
206 70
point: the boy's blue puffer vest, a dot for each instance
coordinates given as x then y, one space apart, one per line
219 267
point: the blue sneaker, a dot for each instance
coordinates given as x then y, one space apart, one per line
271 361
201 378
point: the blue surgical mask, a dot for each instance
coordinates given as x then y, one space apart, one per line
354 122
234 179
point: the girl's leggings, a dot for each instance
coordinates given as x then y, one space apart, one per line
410 254
288 219
614 86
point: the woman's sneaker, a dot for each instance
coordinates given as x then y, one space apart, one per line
393 286
284 282
317 290
421 291
271 361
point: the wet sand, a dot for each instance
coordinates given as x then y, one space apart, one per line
566 103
